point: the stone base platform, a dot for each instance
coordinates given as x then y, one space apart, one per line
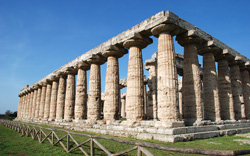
152 130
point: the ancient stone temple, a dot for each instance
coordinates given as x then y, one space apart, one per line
179 100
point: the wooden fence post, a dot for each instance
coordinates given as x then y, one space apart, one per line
92 150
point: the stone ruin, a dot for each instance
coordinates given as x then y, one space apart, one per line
199 103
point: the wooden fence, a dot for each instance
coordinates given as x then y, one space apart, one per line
38 132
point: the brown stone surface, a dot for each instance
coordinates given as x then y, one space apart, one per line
47 101
246 89
94 95
81 94
70 97
211 95
53 100
112 91
61 98
237 91
38 98
225 91
191 91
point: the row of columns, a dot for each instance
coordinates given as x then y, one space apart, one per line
58 99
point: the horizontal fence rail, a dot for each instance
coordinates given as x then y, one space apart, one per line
69 143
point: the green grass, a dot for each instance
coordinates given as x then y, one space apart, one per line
12 144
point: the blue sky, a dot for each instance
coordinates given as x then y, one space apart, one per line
39 36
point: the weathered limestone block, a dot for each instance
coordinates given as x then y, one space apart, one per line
70 95
210 85
53 100
61 97
191 91
81 92
167 90
34 104
151 66
47 100
135 84
94 96
237 91
112 90
225 91
39 90
246 90
42 101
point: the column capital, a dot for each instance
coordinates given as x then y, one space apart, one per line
83 65
186 38
123 96
96 59
207 49
55 77
138 41
163 28
70 71
114 50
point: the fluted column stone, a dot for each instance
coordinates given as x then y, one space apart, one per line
167 90
225 91
34 103
42 101
123 105
61 97
135 80
39 91
47 99
19 106
112 90
246 91
94 94
210 84
237 91
70 95
81 91
191 91
53 100
27 105
30 102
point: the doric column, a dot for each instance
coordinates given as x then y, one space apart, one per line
61 97
191 89
42 101
167 90
225 91
123 105
94 96
180 97
151 66
27 104
81 91
112 91
70 94
53 100
236 84
38 98
135 84
19 106
47 99
246 89
34 103
30 102
210 84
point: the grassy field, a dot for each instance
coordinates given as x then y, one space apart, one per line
12 144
